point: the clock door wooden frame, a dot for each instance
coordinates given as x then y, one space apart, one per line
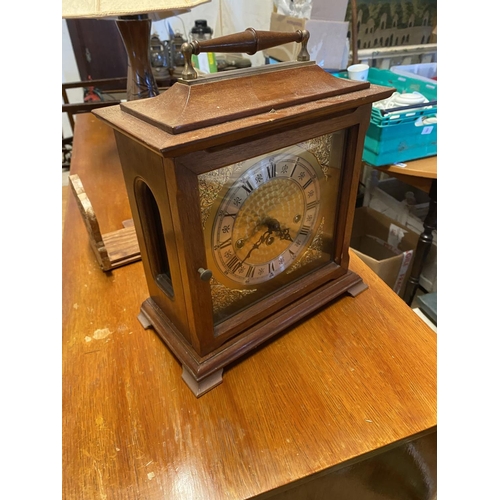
161 163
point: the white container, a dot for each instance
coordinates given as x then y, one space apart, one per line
358 72
425 71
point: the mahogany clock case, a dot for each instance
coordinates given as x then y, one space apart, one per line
163 166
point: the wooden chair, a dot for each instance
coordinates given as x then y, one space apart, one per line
109 85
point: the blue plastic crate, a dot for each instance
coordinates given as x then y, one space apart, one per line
401 136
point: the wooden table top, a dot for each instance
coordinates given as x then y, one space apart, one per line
355 379
418 173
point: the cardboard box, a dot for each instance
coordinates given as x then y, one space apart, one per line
385 246
329 10
388 196
327 42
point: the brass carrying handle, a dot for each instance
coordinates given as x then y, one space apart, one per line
249 41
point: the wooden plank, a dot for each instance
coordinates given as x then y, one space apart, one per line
122 246
91 222
113 249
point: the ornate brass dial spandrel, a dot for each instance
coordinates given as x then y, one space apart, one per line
223 297
321 148
210 185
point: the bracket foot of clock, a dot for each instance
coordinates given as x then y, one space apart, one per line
144 321
357 289
201 386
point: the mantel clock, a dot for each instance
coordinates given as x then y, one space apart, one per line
242 188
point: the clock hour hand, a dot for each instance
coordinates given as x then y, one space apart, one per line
264 237
284 234
275 226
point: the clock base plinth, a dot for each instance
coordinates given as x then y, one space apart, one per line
356 289
203 373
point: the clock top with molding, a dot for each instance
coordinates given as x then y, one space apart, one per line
204 111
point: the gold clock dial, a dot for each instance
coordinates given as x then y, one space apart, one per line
266 218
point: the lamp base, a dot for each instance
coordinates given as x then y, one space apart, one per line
135 32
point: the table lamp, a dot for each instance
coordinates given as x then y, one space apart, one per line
133 19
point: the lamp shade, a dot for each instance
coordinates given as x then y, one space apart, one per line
74 9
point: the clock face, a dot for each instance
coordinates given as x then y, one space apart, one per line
266 218
268 221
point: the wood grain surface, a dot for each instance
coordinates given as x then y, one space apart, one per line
65 195
235 129
352 381
418 173
190 106
423 167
